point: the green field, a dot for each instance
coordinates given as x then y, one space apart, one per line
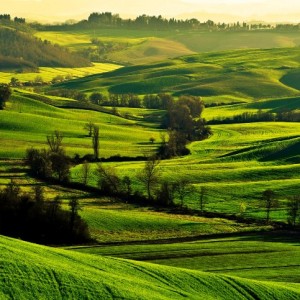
269 257
239 75
47 74
235 165
30 272
151 46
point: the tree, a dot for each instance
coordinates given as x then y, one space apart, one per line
5 93
95 142
202 196
108 180
270 202
60 163
166 193
89 127
149 176
183 189
126 181
74 207
55 141
86 168
293 210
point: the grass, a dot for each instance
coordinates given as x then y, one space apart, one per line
111 221
30 271
27 121
244 75
47 74
151 46
271 257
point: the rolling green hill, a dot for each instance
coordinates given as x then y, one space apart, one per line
242 74
148 46
30 272
21 51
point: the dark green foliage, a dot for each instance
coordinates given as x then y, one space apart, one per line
183 119
5 93
51 163
32 218
260 116
109 182
166 194
22 51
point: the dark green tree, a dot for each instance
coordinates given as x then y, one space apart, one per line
5 93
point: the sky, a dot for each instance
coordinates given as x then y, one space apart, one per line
217 10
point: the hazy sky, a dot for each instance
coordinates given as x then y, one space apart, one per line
288 10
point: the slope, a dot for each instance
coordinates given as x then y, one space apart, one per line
21 51
243 74
29 271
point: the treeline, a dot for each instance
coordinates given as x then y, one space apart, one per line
260 116
22 51
110 20
30 216
8 18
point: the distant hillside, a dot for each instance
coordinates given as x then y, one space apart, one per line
29 272
246 74
21 51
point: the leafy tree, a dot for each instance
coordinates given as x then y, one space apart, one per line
60 164
5 93
108 180
166 194
126 181
74 207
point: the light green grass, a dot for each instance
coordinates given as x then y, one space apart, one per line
149 46
47 74
27 121
31 272
242 74
111 222
273 257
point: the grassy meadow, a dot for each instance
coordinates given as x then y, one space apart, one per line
152 46
229 76
47 73
31 271
147 252
267 257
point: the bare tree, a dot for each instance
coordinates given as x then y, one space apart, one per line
149 176
95 142
293 210
89 127
55 141
202 196
183 189
270 202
